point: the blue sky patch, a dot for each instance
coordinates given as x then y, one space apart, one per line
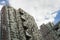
57 18
4 2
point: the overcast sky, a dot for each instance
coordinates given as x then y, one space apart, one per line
43 11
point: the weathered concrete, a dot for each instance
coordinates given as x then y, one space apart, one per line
18 25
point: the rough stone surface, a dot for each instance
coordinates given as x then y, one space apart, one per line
50 31
0 25
18 25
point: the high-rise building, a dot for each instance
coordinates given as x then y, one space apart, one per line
17 25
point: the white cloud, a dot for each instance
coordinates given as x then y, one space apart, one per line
3 2
0 12
1 7
41 10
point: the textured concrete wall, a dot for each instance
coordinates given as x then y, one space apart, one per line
50 31
0 25
18 25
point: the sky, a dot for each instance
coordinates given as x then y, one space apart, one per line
57 18
43 11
